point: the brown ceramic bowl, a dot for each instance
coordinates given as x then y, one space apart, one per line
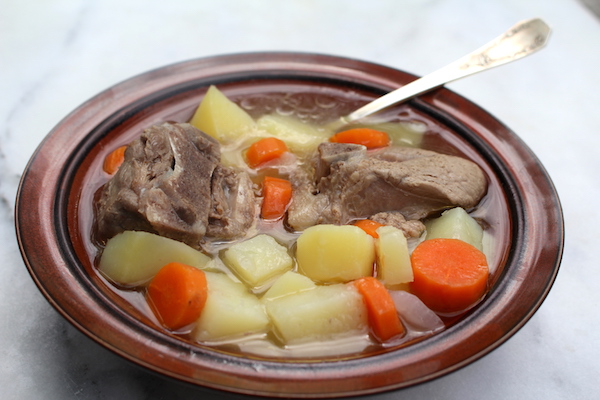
53 218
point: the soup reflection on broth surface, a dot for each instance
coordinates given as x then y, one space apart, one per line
302 276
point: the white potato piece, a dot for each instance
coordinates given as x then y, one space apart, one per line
301 138
132 258
230 311
288 283
221 118
456 223
257 260
393 258
321 313
335 254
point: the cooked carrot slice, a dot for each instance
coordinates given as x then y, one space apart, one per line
383 316
113 160
370 138
369 226
277 194
264 150
177 294
450 275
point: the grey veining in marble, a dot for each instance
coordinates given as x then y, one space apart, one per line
57 54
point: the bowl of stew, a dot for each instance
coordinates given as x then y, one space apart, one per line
303 332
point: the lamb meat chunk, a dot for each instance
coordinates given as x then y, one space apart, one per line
417 187
401 153
163 186
411 229
234 206
330 153
409 181
307 205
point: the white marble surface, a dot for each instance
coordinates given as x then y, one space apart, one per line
57 54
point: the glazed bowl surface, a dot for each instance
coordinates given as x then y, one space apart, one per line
56 194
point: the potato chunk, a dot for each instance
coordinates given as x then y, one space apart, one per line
334 254
258 259
300 138
456 224
288 283
393 259
132 258
221 118
321 313
230 311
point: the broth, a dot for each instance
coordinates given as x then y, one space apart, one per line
316 108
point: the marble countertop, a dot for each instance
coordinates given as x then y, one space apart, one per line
58 54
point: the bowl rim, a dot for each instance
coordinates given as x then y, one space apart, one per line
40 212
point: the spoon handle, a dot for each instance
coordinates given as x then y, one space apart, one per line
523 39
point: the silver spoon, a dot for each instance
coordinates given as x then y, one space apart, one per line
522 39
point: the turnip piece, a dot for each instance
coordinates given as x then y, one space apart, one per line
230 311
320 313
288 283
456 223
301 138
132 258
258 260
393 259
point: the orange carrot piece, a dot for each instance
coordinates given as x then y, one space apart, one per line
277 194
113 160
370 138
450 275
369 226
177 294
265 150
383 316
